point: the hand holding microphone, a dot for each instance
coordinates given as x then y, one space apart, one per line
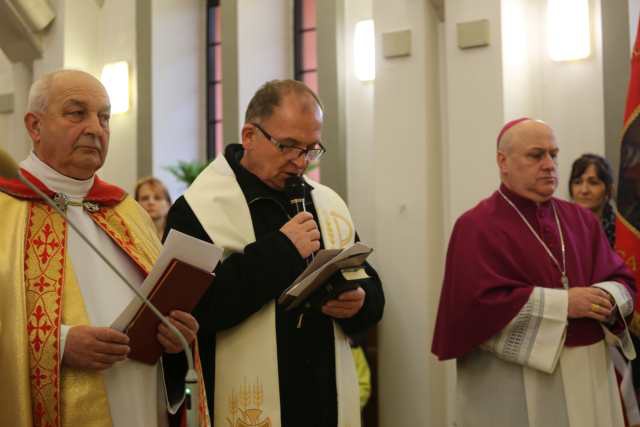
303 232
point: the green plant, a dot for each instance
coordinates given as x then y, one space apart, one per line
312 166
187 171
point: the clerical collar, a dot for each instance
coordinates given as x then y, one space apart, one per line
522 202
74 189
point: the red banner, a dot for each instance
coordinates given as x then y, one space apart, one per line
628 199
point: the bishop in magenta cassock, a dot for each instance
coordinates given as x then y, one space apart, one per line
532 293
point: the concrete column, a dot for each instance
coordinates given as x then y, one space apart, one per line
409 225
331 88
19 145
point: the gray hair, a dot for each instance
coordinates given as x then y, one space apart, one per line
41 88
39 94
271 93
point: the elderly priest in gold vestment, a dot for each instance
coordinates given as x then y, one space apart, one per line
61 363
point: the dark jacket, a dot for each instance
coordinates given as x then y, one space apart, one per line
245 282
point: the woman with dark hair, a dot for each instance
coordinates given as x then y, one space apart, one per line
591 186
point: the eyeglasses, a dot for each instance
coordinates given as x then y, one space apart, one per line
288 149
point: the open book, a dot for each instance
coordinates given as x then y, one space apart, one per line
325 263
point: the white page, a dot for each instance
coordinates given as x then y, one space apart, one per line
323 260
182 247
320 258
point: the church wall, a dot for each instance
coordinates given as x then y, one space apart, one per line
179 86
568 95
53 41
634 14
6 88
116 30
6 75
19 145
359 128
407 188
265 48
573 102
522 47
475 107
4 130
84 42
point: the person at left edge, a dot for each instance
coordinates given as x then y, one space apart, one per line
61 363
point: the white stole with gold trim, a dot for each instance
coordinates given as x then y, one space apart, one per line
246 380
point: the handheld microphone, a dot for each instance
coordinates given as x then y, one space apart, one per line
294 189
9 169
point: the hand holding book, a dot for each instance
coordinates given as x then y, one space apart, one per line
345 304
180 288
180 276
332 272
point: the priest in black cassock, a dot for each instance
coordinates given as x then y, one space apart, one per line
264 365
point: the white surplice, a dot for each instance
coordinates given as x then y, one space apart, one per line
135 390
535 380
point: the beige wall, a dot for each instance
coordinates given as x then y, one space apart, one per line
6 75
568 95
179 86
634 15
117 31
257 46
265 48
4 129
474 108
6 87
19 145
360 139
406 185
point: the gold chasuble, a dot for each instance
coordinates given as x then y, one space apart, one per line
246 391
38 293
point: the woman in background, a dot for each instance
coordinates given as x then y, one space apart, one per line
591 186
154 197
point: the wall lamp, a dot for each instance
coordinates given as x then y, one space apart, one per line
364 51
115 78
568 29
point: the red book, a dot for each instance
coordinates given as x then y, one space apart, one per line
180 288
